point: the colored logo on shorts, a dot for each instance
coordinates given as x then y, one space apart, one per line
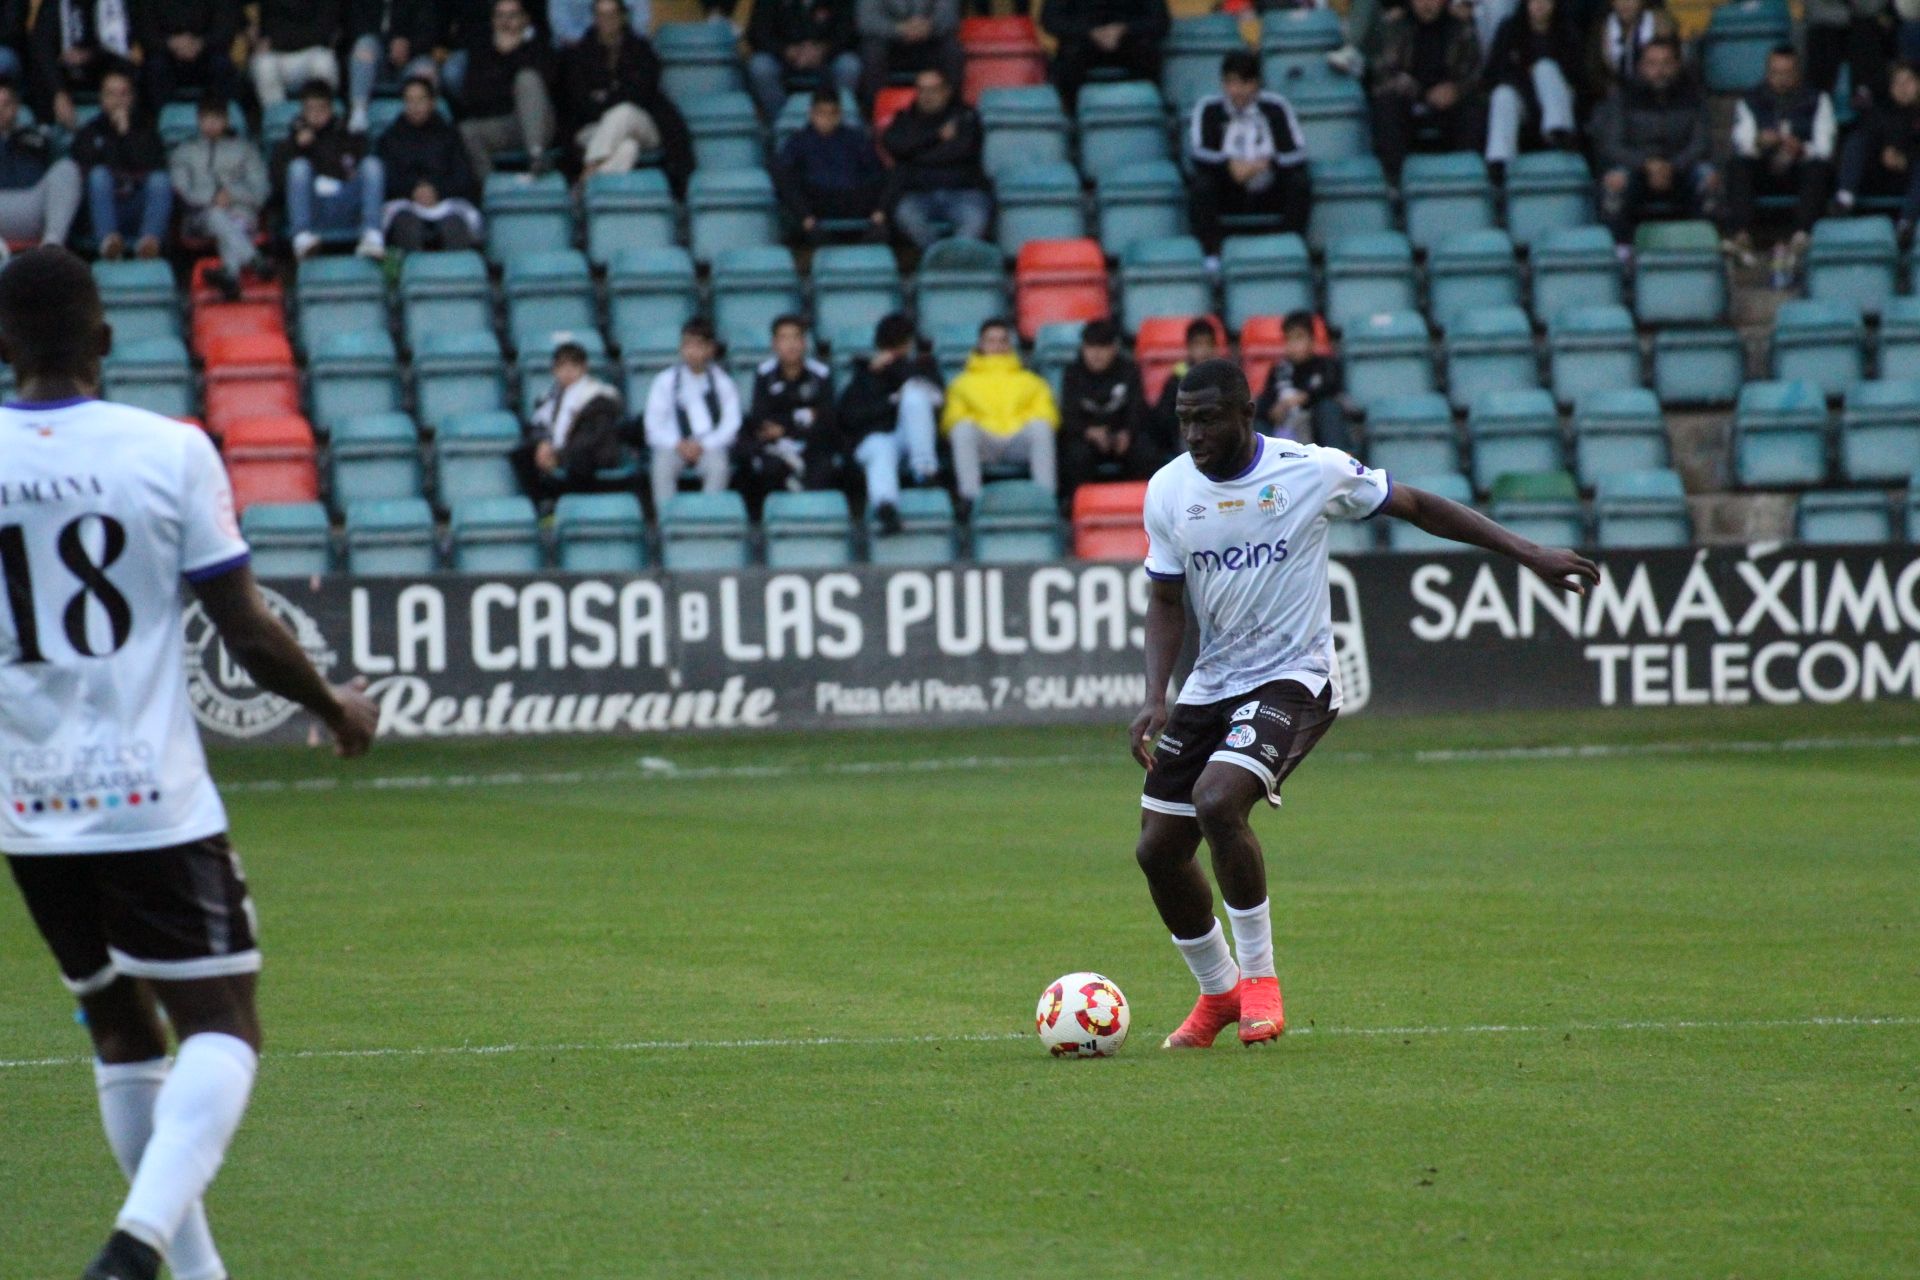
1245 711
1242 736
1274 500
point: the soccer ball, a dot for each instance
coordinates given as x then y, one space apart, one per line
1083 1015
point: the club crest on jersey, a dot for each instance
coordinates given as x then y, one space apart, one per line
1241 736
1274 500
1231 506
1245 711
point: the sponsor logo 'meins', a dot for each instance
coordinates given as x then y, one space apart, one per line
1250 555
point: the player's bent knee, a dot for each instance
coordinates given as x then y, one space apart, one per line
122 1024
1221 803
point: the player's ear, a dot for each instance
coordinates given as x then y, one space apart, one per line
6 352
104 340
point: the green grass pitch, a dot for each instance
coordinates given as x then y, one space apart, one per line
1657 1012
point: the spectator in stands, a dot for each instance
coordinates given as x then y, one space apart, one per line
456 26
293 42
391 40
39 192
1249 156
829 170
999 411
1103 411
935 144
1112 35
578 430
900 36
887 416
430 189
615 108
1855 34
1163 425
1425 84
221 184
71 45
1882 155
187 44
1618 40
568 21
1531 66
807 42
1651 143
692 417
507 102
788 439
1302 398
1783 135
128 191
329 180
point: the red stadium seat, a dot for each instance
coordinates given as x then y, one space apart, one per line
272 459
1059 280
1162 343
248 355
225 318
1001 53
231 399
888 103
1107 524
252 288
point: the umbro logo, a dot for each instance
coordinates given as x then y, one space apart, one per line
1197 511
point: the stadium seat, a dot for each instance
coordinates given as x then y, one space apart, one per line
444 293
154 374
1445 195
599 533
457 372
1547 191
1136 202
1038 201
1265 275
1913 507
1843 516
374 455
548 292
888 103
1899 352
1055 346
1489 349
649 288
853 287
233 399
1333 117
202 292
1574 267
961 283
1854 260
271 459
526 214
1592 349
470 455
1294 44
1163 278
1543 506
730 208
1698 366
1780 435
495 535
928 533
337 295
390 537
1107 521
629 211
1350 195
1641 509
535 363
1412 435
1023 126
1369 273
180 121
1059 280
810 530
276 122
704 531
1160 343
1001 52
244 320
352 372
1016 522
1387 354
1822 342
1678 275
1190 65
1513 432
1120 123
141 298
1739 35
1618 429
1880 431
751 285
1405 537
697 58
645 352
1471 269
1262 342
726 131
287 539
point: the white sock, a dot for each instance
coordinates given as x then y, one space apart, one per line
127 1091
1210 961
194 1115
1253 940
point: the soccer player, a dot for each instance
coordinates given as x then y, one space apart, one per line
110 823
1240 522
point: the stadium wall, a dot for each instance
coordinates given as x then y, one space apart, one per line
970 645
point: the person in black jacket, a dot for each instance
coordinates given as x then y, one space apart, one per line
1248 153
888 416
328 178
829 170
804 42
1302 399
129 191
293 43
391 40
187 44
71 46
430 189
787 437
613 106
506 98
1163 424
1531 65
1114 35
39 191
1882 155
935 144
1103 410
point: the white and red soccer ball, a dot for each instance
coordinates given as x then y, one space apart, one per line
1083 1015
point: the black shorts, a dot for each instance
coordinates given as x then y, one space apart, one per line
173 914
1267 732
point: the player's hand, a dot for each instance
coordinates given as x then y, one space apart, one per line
353 725
1568 570
1145 731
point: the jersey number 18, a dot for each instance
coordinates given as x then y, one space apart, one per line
91 575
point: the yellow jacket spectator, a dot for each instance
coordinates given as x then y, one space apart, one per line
999 411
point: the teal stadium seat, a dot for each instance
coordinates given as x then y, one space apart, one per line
1445 195
1350 195
1641 509
1353 537
1264 276
643 354
526 215
352 372
697 58
1703 366
1842 516
390 537
141 298
1412 435
1294 44
853 287
599 533
810 530
1899 354
1016 522
1369 273
961 283
1574 267
1469 270
1820 342
650 288
1138 201
547 292
1023 125
1513 432
153 374
338 295
627 211
1190 63
1489 349
1408 538
1592 349
751 286
495 535
726 131
704 531
1913 507
1618 429
1055 347
1163 278
1387 354
444 293
1678 275
1854 260
1120 122
928 533
287 539
374 455
1038 201
1739 35
1333 117
1880 431
470 454
1543 506
1547 191
1780 435
457 372
730 208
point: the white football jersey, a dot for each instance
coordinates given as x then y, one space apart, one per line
1253 553
106 513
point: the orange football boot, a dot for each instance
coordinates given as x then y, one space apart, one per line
1211 1015
1261 1015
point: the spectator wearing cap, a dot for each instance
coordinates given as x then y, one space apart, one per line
1163 424
128 190
1249 155
221 184
614 107
788 439
294 42
1302 397
1651 143
39 192
506 97
692 417
1783 140
888 416
578 430
1425 83
805 41
1103 411
830 171
935 144
187 44
999 411
1124 36
430 188
901 36
328 179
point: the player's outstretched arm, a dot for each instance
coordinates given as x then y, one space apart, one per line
268 651
1166 628
1445 518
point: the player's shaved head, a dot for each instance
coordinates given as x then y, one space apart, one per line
1222 378
51 321
1214 409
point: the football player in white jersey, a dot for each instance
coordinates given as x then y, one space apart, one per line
110 823
1239 525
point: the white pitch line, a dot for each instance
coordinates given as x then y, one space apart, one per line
996 1037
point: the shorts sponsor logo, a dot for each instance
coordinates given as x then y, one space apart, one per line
1270 751
1245 711
1172 746
1275 713
223 696
1274 500
1242 735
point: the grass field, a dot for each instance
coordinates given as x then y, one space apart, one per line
1647 1010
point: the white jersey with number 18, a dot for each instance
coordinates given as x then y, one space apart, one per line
106 513
1252 550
